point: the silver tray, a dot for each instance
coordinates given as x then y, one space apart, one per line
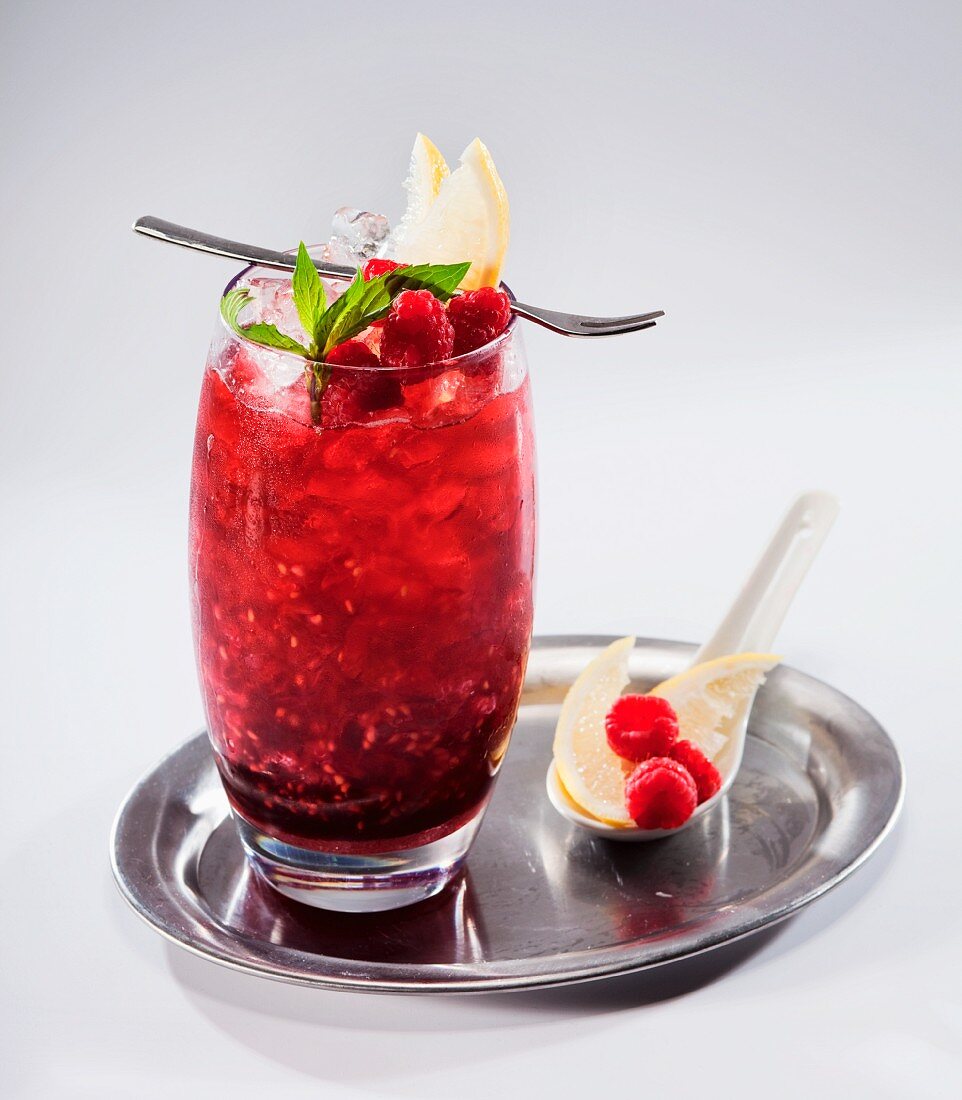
541 902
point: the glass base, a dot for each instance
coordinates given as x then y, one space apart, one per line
357 883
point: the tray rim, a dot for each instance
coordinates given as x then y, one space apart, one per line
452 977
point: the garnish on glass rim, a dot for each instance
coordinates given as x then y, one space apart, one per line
364 302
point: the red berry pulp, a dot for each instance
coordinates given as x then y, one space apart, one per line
362 598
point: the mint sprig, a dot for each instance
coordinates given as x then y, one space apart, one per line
268 336
363 303
309 296
367 301
360 305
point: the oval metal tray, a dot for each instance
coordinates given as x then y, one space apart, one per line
541 902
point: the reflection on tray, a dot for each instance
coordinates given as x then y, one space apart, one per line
444 929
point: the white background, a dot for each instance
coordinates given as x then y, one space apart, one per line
782 178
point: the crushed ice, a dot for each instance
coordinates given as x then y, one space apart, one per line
357 235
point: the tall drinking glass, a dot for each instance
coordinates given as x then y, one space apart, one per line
362 602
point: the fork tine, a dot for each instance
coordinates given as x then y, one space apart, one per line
630 319
614 330
574 324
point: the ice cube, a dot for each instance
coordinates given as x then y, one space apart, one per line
280 371
274 305
358 232
338 250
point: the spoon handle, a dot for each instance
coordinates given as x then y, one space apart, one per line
753 619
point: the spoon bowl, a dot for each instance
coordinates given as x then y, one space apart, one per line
750 625
558 797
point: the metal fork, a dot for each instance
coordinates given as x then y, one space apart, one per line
568 324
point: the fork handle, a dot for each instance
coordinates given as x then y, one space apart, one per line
234 250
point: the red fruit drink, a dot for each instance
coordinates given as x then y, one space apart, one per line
362 591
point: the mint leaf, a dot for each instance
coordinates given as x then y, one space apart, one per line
309 296
268 336
232 303
363 303
441 279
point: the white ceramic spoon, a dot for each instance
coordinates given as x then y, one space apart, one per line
750 626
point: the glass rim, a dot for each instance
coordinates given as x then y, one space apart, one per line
453 361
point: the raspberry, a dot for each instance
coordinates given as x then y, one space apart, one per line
416 331
478 316
660 794
641 726
707 777
352 353
353 396
373 268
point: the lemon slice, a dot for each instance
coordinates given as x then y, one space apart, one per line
427 171
710 700
592 775
468 220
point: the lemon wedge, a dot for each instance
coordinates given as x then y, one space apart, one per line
427 171
710 699
592 775
467 220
